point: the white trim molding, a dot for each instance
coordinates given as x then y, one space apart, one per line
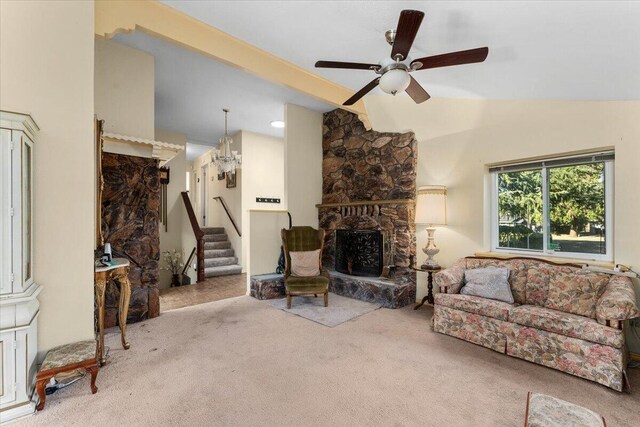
132 145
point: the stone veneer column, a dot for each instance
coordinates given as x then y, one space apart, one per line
130 213
362 165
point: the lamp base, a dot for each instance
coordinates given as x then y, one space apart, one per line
431 249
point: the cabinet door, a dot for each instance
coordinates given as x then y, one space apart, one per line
7 368
26 214
6 286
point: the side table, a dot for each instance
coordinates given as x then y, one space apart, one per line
429 297
119 272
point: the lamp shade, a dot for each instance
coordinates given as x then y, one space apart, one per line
431 205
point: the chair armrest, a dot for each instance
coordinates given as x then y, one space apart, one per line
450 280
617 303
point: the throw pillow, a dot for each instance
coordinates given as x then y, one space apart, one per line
305 263
576 292
491 282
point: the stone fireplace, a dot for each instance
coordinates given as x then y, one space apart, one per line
369 184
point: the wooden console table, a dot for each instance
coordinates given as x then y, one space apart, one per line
119 273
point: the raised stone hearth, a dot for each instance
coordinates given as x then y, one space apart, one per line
388 293
395 293
267 286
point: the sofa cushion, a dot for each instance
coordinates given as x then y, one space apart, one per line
491 282
538 277
570 325
517 278
477 305
575 292
306 284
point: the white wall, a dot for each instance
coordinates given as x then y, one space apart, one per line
177 227
46 69
303 160
124 89
458 138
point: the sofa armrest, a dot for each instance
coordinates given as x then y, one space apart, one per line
617 303
450 280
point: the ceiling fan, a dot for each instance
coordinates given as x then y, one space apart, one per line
394 71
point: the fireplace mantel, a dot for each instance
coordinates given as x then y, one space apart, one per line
367 203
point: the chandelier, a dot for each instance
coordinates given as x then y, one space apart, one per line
226 160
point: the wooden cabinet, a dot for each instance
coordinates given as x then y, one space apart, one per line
19 305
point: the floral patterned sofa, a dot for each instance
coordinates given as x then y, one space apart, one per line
563 317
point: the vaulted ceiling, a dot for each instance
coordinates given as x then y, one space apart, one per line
570 50
564 50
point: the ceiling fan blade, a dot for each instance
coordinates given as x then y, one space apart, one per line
453 58
349 65
408 26
417 92
362 92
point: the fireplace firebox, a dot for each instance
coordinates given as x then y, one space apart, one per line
359 252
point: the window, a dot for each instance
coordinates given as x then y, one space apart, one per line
560 207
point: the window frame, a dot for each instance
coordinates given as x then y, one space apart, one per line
608 206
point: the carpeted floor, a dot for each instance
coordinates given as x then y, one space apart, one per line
242 362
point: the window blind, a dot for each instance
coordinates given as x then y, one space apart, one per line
552 163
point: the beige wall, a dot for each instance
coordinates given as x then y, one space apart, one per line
264 244
177 227
458 138
262 176
124 89
46 69
303 160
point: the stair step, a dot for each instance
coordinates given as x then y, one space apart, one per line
215 237
217 262
216 245
213 230
222 270
218 253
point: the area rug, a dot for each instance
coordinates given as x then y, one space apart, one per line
341 309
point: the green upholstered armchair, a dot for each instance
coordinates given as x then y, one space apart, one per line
298 239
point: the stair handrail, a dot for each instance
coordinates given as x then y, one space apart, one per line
197 231
226 209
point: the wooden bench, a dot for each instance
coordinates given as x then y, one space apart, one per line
67 358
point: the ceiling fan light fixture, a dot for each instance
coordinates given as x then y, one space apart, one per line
395 81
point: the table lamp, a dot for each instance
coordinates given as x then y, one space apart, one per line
431 209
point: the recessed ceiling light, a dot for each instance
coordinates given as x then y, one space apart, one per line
277 124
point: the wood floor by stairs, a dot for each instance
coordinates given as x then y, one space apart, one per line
219 256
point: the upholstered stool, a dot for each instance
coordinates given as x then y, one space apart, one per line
548 411
66 358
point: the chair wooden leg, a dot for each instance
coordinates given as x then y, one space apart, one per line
326 299
288 300
41 394
94 373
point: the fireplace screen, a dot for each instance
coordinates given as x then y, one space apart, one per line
359 252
